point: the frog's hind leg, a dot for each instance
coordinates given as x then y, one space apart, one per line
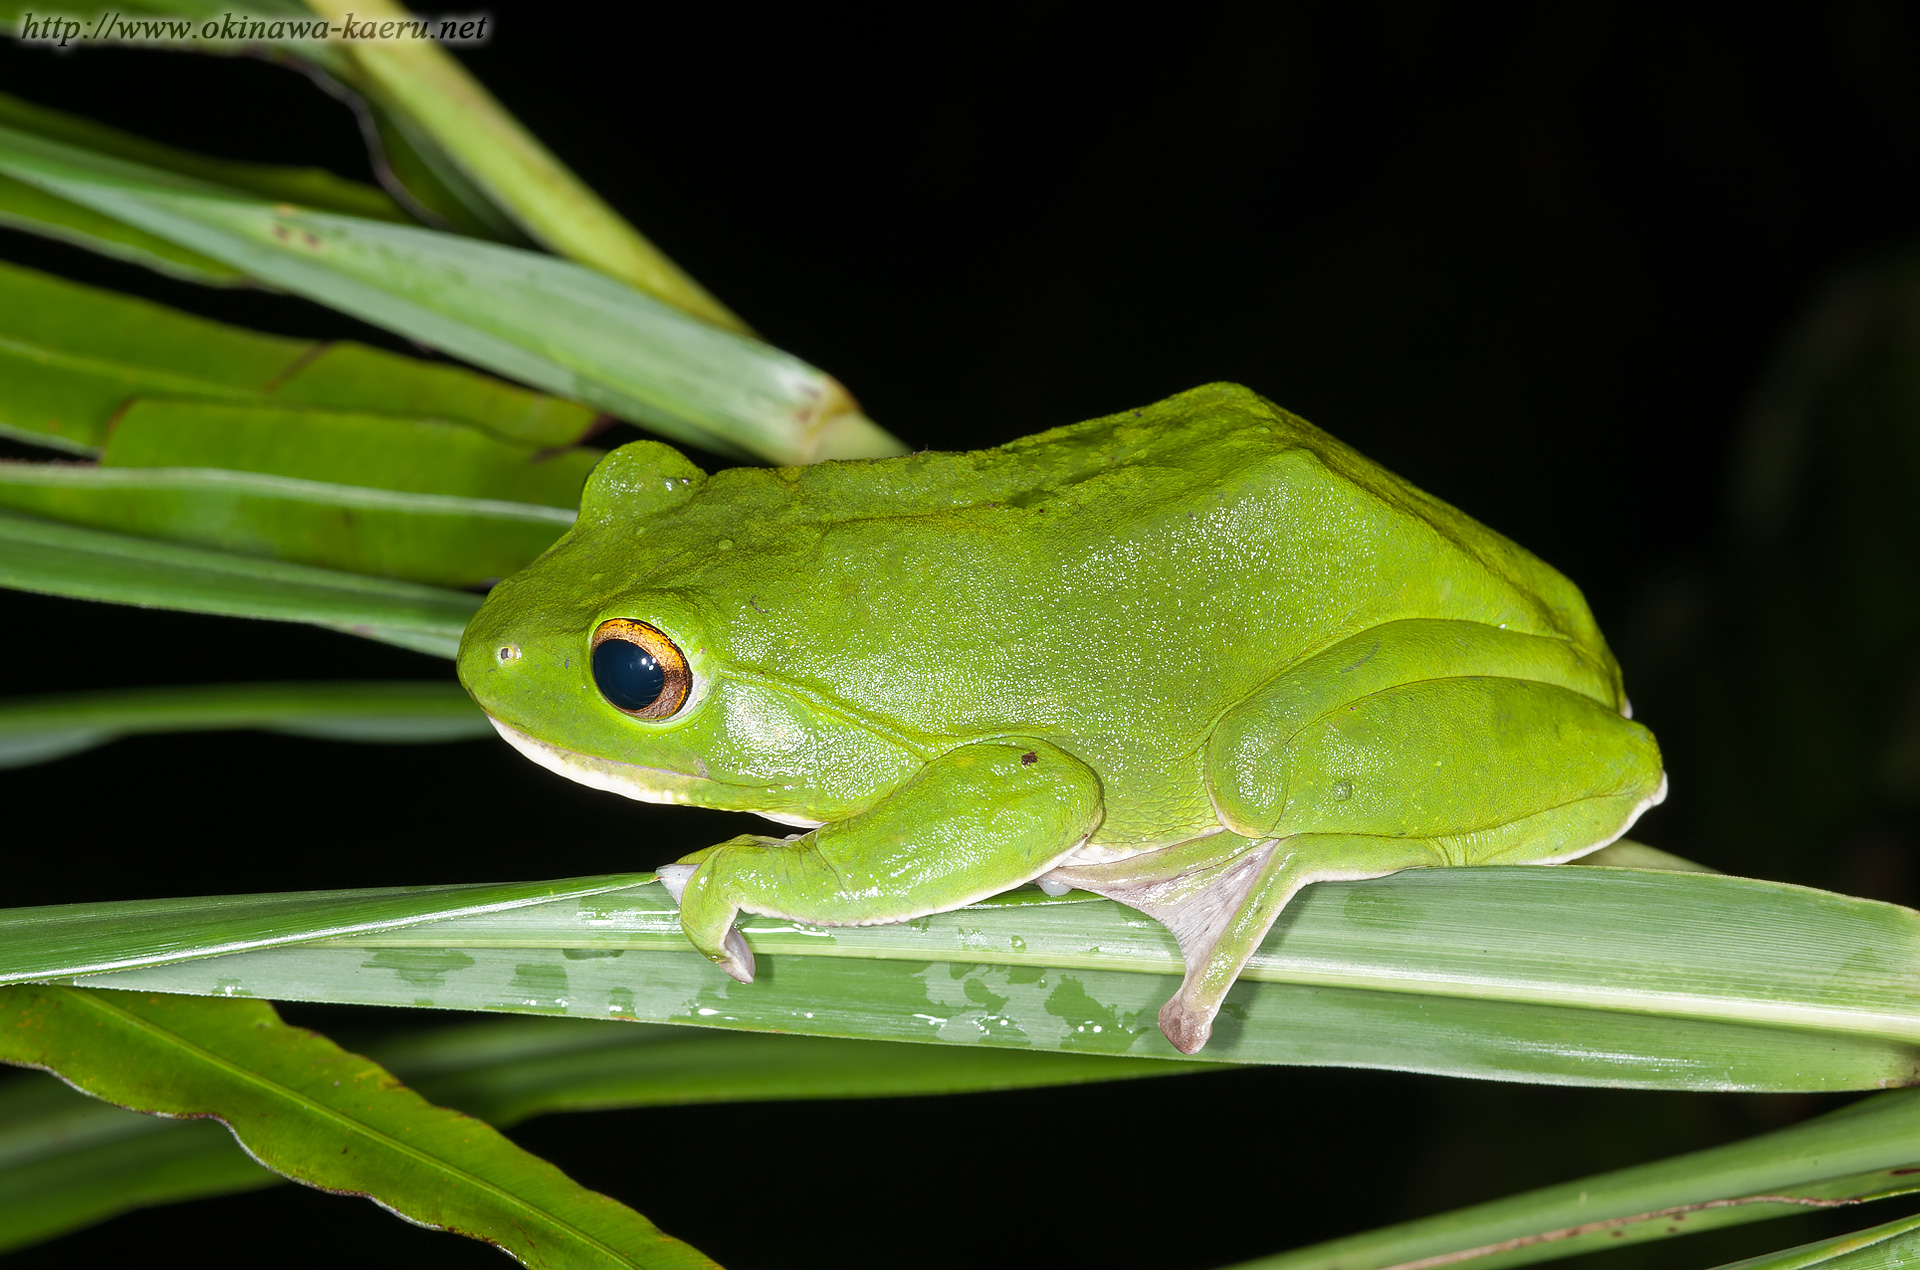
1415 743
1221 895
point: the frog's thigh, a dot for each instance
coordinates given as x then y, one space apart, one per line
1481 768
974 822
1464 769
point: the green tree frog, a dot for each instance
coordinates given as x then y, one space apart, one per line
1192 657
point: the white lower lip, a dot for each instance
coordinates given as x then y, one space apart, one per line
629 780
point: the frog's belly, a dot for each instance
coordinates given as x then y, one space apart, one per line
1107 852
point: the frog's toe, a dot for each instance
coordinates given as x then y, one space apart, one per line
735 957
1185 1026
674 878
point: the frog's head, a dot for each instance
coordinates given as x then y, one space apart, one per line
611 661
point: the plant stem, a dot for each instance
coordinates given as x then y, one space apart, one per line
523 176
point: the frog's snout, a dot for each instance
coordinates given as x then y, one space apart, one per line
488 647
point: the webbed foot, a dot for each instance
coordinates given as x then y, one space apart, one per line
1187 1028
1220 895
733 955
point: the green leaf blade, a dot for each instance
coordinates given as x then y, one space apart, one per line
339 447
313 1112
36 729
422 81
40 943
36 211
1862 1152
1370 974
1884 1247
73 356
356 377
92 564
67 1160
436 539
310 187
551 323
1081 1011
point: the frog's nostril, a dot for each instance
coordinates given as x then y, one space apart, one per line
508 652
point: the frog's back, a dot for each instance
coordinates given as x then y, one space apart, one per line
1114 585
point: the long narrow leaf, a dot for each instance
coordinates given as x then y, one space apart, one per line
431 538
25 206
1867 1151
547 322
420 79
311 1111
93 564
1590 976
46 942
37 729
73 356
410 164
30 208
1885 1247
349 376
425 109
378 451
67 1161
309 187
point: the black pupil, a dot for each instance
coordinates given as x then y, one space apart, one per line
627 674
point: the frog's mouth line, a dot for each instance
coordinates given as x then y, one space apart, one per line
631 780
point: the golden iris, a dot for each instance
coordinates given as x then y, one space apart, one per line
638 669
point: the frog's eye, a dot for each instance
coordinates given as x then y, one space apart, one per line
639 670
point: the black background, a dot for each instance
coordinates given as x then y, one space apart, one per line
1532 260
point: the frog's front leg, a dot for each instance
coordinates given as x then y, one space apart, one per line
977 820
